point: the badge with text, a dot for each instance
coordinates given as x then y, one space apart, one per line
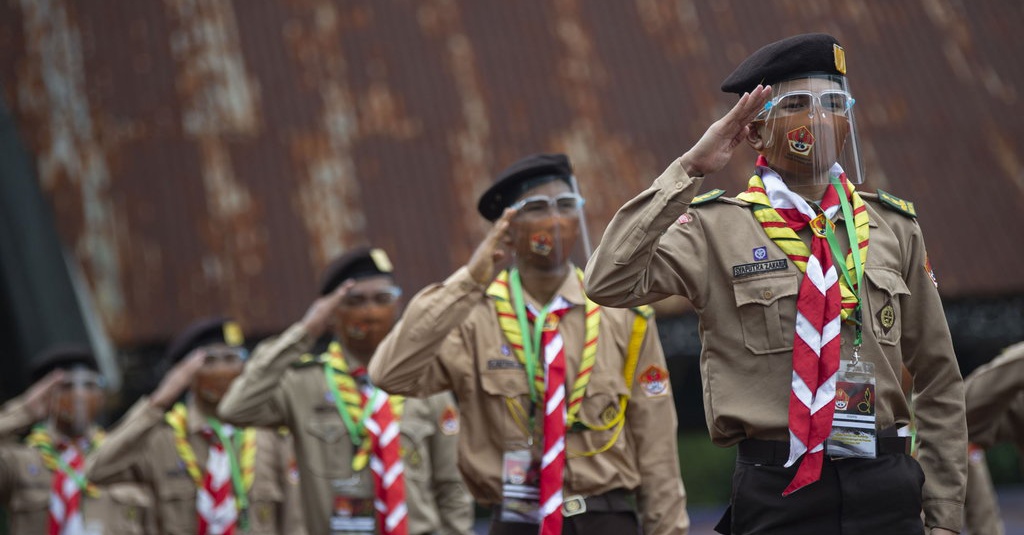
853 425
353 512
520 487
756 268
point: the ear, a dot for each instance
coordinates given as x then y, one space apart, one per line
754 132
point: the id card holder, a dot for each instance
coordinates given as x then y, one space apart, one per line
352 512
853 424
520 487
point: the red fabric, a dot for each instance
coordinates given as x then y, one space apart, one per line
553 462
65 496
386 465
219 500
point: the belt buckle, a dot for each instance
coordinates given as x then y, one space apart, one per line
574 505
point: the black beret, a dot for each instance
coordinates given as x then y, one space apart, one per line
522 175
355 264
793 57
62 357
204 332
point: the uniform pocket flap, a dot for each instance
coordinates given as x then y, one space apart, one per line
765 290
415 430
327 431
887 280
127 494
507 383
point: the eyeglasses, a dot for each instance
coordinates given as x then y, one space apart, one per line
834 101
382 297
566 204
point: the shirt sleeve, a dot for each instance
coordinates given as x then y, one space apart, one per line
927 350
257 397
630 267
651 422
454 505
990 391
410 360
122 454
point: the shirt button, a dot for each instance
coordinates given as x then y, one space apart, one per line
767 294
679 185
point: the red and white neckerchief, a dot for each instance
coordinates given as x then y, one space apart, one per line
386 463
816 342
553 462
215 501
66 495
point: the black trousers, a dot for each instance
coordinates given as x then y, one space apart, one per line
617 523
880 496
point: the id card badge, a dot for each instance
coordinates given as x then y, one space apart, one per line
853 425
520 487
352 512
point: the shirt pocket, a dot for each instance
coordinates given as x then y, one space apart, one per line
329 441
265 501
600 407
177 495
416 437
28 509
883 304
506 391
131 507
767 309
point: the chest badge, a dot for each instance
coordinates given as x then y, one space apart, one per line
887 316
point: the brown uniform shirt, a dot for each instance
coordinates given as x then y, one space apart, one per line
25 489
747 323
275 390
995 413
141 448
449 338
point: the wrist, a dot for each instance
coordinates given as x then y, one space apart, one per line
689 166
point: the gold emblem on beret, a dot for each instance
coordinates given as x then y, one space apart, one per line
381 260
840 56
233 334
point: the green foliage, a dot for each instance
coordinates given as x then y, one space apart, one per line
706 469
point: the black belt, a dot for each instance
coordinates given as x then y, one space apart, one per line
776 452
613 501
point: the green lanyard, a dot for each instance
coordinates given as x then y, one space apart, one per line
241 498
837 253
531 344
354 429
63 466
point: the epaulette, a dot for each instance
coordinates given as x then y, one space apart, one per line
707 196
645 311
895 203
307 360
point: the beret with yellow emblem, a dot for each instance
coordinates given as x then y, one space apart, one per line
205 332
355 264
794 57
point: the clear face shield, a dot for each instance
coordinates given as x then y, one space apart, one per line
548 223
809 131
77 401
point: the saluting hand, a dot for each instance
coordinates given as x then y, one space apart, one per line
318 317
177 380
716 146
490 254
37 397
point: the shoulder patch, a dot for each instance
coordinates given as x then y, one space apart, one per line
707 196
645 311
895 203
307 360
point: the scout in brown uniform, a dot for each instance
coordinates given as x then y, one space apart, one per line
323 398
821 439
995 413
42 484
208 477
608 418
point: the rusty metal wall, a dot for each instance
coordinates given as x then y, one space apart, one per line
208 156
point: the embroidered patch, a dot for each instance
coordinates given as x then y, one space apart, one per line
654 381
801 141
413 458
929 271
542 243
684 219
504 364
746 270
760 253
449 422
887 316
609 414
505 350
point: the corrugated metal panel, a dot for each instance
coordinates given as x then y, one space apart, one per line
208 156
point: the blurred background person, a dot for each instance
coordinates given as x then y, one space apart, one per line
43 484
208 477
347 450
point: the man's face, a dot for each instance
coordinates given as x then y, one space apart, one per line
77 400
221 365
543 235
367 313
806 128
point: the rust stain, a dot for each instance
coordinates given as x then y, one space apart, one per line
328 196
52 89
469 140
